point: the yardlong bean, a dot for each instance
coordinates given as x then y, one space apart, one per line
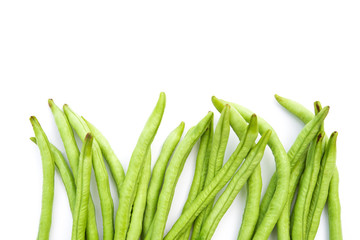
127 193
218 182
172 175
101 175
158 173
82 190
334 208
48 164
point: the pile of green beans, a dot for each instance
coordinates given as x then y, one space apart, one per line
306 177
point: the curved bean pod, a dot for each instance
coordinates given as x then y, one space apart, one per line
280 186
65 174
48 180
172 175
201 168
128 190
101 175
115 166
157 176
237 182
73 154
334 208
82 190
216 159
252 207
140 200
217 183
322 187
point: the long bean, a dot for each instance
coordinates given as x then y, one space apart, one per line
115 166
73 154
82 190
158 173
216 159
128 190
140 200
48 180
201 168
234 186
65 174
217 183
335 232
277 200
172 175
101 175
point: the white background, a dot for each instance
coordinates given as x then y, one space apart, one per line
109 61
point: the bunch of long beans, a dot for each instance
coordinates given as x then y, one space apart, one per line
145 194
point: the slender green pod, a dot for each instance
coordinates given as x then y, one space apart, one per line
115 166
252 206
276 202
73 154
322 187
234 187
172 175
158 173
216 159
48 164
137 215
334 208
101 175
82 190
202 163
127 193
218 182
65 174
306 188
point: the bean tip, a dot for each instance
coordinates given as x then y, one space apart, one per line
88 136
50 102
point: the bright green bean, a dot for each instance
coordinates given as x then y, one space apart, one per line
322 187
217 183
128 190
101 175
216 159
172 175
202 164
82 190
252 207
140 200
335 232
116 169
234 187
158 173
73 154
65 174
276 202
306 187
48 164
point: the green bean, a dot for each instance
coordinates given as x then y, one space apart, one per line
72 152
101 175
65 173
172 175
216 159
217 183
157 176
82 190
322 187
334 208
276 202
140 200
306 188
116 169
234 187
48 180
252 207
128 190
202 164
